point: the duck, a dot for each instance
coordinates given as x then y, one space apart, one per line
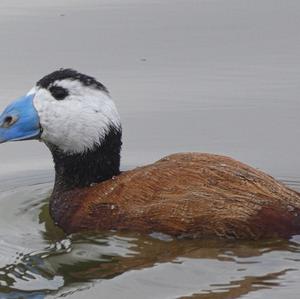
184 195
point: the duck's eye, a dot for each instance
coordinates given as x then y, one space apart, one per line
8 121
58 92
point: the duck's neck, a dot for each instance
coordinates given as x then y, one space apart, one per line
93 166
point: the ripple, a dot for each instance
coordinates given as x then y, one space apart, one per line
37 259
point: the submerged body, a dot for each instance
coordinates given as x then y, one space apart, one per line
187 195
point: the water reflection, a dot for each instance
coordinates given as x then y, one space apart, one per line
38 259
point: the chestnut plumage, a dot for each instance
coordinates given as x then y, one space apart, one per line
186 195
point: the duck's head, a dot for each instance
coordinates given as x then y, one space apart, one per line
65 109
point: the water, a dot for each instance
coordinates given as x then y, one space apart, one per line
195 75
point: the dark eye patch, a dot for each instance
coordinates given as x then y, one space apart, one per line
58 92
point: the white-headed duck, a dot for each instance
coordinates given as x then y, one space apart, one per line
186 194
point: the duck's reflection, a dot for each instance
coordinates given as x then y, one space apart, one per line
69 260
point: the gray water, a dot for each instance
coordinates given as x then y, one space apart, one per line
219 76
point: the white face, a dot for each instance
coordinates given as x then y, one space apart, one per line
79 121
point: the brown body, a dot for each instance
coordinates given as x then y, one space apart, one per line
189 194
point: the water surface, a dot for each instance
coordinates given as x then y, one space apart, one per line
195 75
